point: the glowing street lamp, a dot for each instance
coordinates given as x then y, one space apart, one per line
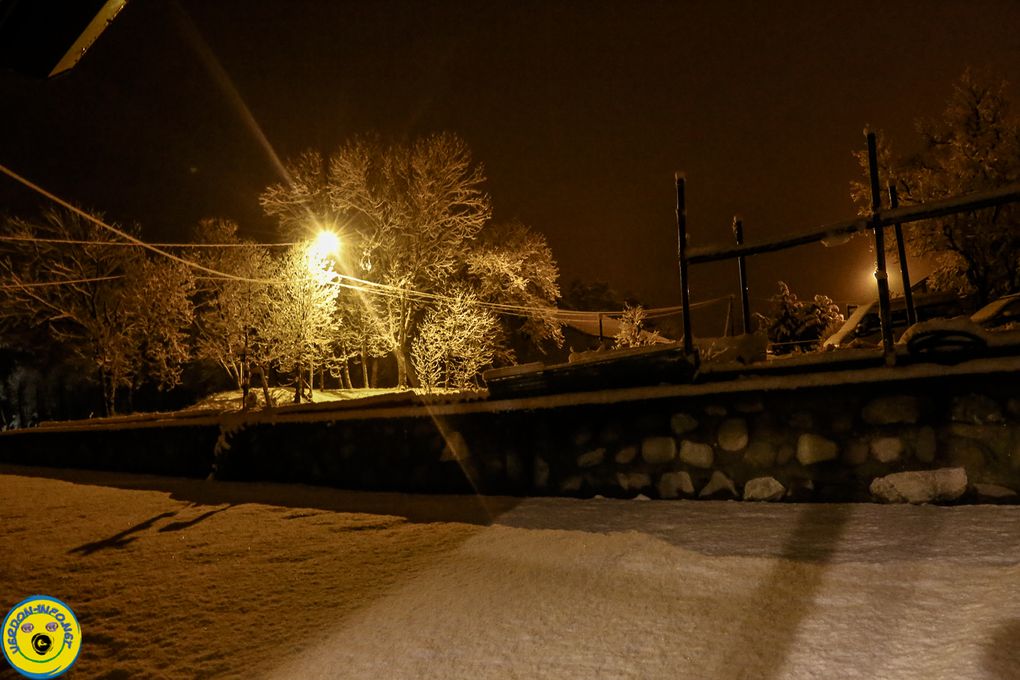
325 244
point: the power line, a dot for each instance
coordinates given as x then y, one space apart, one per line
63 282
32 239
124 235
362 285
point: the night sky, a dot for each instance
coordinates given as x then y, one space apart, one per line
580 112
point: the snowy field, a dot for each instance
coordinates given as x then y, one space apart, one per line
190 579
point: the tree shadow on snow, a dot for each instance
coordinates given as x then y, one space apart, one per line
760 643
181 526
1002 652
121 539
124 538
417 508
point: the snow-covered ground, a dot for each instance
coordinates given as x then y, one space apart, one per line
183 579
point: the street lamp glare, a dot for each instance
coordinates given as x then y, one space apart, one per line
325 244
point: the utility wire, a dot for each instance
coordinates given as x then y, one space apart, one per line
66 241
357 284
64 282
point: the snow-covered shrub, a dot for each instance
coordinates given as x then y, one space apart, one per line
632 332
799 325
455 341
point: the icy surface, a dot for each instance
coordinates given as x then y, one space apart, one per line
184 579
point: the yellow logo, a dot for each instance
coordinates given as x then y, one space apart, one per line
41 637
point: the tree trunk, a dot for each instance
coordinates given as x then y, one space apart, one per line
245 374
364 367
375 373
297 385
401 357
400 349
348 384
105 380
265 387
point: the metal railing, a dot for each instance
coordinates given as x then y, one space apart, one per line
879 219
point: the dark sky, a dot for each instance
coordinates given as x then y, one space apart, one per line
580 111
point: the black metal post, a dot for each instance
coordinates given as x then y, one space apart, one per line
728 329
745 301
901 251
685 293
881 276
600 329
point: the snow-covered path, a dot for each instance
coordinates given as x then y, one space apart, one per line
177 578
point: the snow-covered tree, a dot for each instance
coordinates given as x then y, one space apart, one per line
632 331
304 320
513 265
99 297
455 342
159 312
302 205
409 211
799 325
232 313
973 146
359 336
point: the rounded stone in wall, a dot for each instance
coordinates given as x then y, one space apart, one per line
764 489
633 481
732 434
995 493
696 454
921 486
675 484
625 455
719 486
760 454
571 484
682 423
996 436
886 449
658 449
813 448
977 409
591 458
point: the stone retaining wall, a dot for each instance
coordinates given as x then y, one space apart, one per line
944 439
916 445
